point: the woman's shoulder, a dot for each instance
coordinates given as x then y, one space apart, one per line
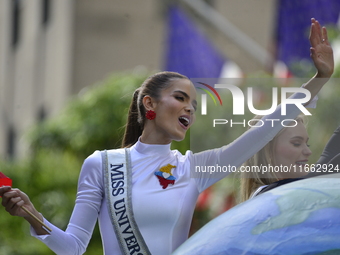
93 161
91 174
96 157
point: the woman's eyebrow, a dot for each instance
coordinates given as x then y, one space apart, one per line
299 137
186 96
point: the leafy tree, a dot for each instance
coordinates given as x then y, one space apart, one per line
93 120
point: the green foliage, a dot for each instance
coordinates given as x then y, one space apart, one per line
93 120
49 179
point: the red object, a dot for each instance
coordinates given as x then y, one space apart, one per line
164 182
4 180
150 114
203 199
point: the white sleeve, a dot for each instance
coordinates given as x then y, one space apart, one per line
236 153
76 237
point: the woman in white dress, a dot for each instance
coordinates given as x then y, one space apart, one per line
164 193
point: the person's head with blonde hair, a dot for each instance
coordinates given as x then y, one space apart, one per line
289 149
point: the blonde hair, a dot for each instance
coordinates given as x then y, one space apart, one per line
252 180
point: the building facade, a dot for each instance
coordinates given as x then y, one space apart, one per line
51 49
35 66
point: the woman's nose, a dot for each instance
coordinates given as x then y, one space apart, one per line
190 109
307 151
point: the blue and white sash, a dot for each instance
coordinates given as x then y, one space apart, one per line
118 185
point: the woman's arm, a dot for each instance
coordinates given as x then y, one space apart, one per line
240 150
13 200
76 237
322 56
244 147
331 149
330 157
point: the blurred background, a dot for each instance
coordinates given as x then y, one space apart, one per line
68 68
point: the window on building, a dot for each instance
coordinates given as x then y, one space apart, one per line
16 13
10 145
46 11
41 116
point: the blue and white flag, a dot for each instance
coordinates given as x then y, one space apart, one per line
190 52
293 25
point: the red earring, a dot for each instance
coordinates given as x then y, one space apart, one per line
150 115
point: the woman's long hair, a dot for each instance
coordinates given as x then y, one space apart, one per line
252 180
152 87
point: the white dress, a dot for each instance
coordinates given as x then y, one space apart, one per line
162 215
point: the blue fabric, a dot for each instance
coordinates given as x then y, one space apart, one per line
293 26
189 51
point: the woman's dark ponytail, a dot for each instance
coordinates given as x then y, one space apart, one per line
133 129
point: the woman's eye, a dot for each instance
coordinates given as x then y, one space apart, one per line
180 98
296 144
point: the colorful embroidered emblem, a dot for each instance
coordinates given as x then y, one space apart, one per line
165 176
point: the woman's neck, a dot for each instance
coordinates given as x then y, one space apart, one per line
151 138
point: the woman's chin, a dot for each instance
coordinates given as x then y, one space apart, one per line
179 138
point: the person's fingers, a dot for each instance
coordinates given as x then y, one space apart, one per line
4 189
318 29
8 196
315 33
312 53
312 24
325 35
313 38
21 203
12 203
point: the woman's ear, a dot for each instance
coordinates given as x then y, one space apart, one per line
149 103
